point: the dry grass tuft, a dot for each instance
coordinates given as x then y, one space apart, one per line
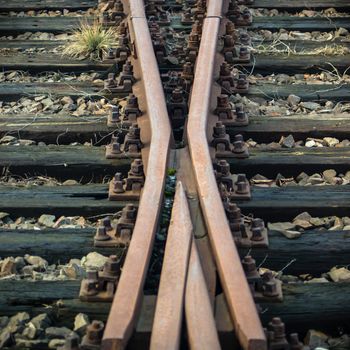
278 47
91 41
331 50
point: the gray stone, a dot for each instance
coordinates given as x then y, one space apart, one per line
70 183
341 343
73 271
283 36
31 344
302 177
344 143
315 339
309 13
302 224
7 139
319 221
287 142
303 216
20 263
36 107
47 102
94 260
259 177
56 343
329 175
310 143
47 220
346 220
280 226
8 267
329 104
28 270
293 100
81 321
315 179
283 78
337 225
67 100
26 142
339 275
330 141
342 32
30 331
17 322
41 321
57 332
62 221
312 106
75 261
36 261
26 102
37 276
300 35
39 98
4 215
274 111
5 338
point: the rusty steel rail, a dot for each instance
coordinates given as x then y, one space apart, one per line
166 330
200 322
127 300
182 284
238 295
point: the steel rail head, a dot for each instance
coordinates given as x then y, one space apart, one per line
127 300
215 8
166 330
201 328
238 295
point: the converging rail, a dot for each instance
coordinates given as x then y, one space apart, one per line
128 296
238 295
127 299
178 186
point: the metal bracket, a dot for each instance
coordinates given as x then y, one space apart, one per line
100 286
265 287
224 148
108 235
128 189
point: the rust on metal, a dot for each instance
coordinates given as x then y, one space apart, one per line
250 233
123 83
100 286
129 188
92 339
237 292
201 329
127 299
166 330
108 235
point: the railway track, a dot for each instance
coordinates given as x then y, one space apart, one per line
187 190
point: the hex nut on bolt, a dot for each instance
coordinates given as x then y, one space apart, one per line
93 337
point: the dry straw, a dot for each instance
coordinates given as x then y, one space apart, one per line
278 47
